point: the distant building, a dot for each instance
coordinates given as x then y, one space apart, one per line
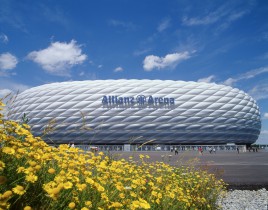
136 111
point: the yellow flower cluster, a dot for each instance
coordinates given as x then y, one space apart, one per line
34 175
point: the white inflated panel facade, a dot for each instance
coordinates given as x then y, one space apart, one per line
201 113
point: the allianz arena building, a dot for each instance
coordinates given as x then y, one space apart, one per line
114 112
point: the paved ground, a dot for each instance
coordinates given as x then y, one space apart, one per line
247 170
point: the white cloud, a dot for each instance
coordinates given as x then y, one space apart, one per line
54 14
59 57
200 21
206 19
265 115
264 56
260 91
248 75
208 79
5 95
229 81
265 36
126 25
223 16
4 92
99 66
12 16
7 62
118 69
9 89
263 137
164 24
253 73
169 61
141 52
91 76
3 38
6 84
88 75
236 15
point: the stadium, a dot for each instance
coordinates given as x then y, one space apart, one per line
124 112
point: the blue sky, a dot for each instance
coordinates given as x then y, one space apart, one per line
225 42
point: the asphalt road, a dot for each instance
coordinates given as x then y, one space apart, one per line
248 170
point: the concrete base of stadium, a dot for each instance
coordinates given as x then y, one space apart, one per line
164 148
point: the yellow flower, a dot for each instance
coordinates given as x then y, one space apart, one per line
55 191
51 171
32 163
31 178
59 179
151 184
20 169
141 203
154 193
159 180
88 173
71 205
37 167
135 204
122 195
67 185
27 208
62 172
26 126
115 205
134 186
168 188
119 186
2 165
133 194
64 165
3 179
2 104
171 195
8 150
6 194
144 204
85 208
29 170
104 197
103 165
89 181
19 190
21 151
88 203
81 187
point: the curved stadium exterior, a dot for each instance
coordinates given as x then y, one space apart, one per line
122 111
